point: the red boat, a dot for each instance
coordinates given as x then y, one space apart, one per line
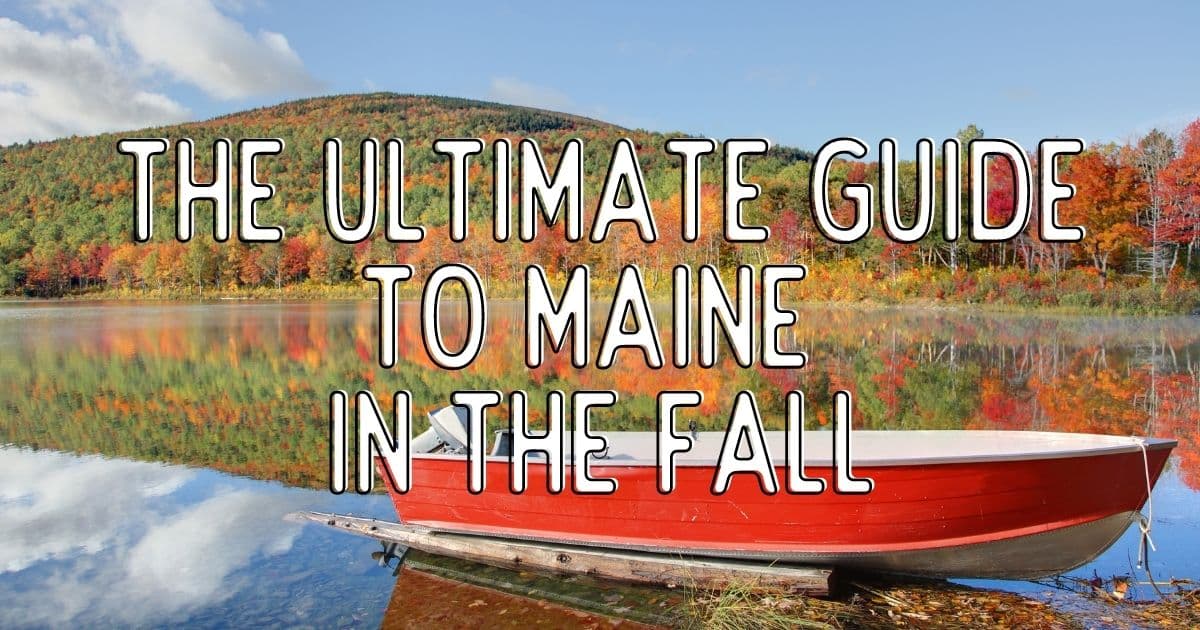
999 504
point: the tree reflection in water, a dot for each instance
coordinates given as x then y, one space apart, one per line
244 388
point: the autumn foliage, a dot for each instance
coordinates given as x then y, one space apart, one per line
65 215
246 390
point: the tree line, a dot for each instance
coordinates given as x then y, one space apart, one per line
65 215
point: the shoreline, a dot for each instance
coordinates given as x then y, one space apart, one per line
352 293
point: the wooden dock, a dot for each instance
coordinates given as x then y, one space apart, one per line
600 562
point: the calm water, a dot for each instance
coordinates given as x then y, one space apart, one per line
154 449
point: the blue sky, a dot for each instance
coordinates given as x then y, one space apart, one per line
795 73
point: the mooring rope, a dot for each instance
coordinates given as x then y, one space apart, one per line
1146 521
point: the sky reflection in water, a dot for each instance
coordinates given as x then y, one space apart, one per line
117 540
96 541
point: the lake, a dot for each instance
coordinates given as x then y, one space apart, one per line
153 449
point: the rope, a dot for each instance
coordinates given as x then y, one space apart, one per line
1145 522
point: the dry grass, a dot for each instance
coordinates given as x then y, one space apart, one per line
747 605
1180 609
869 604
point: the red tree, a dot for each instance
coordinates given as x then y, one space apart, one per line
295 258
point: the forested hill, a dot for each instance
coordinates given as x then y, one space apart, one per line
66 215
65 206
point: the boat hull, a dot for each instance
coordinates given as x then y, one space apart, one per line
998 519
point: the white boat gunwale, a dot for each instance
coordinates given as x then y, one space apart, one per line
894 453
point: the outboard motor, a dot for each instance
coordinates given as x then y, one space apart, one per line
449 431
502 446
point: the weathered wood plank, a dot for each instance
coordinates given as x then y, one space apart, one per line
614 564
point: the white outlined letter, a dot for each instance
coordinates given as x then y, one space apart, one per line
396 231
774 317
476 404
889 195
630 298
501 190
187 191
745 421
860 194
388 276
567 184
681 316
715 307
797 482
978 150
689 151
624 168
143 151
431 325
584 444
737 191
550 443
951 189
458 150
572 311
844 481
335 217
253 192
670 442
1053 192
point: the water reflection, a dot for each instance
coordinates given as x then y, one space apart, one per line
439 595
243 388
468 606
96 541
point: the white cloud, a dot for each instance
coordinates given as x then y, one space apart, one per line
53 85
113 541
517 92
52 510
197 44
222 532
103 66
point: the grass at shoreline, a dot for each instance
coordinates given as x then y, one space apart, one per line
1073 291
363 291
869 602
